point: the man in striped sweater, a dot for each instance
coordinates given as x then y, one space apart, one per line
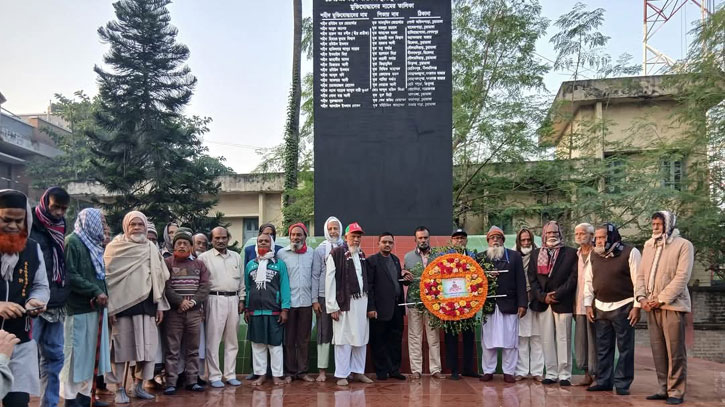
186 290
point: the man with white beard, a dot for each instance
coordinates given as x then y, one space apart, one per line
332 229
553 278
501 330
531 354
346 285
136 278
585 344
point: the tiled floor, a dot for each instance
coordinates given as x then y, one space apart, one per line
706 383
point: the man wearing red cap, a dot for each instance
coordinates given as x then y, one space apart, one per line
501 330
346 285
298 259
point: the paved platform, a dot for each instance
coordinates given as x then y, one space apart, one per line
706 387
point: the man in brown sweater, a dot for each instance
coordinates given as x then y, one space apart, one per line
186 290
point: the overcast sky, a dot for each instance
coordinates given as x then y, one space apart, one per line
240 54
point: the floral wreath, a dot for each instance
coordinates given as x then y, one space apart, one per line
452 287
453 309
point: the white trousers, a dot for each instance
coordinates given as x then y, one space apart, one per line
349 359
556 340
323 355
222 322
259 359
531 356
489 360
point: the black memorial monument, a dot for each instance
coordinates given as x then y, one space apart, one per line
383 114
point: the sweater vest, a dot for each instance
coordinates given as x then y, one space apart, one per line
611 277
18 290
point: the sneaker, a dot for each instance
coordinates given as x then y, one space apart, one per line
217 384
234 382
140 393
170 390
195 387
121 397
564 383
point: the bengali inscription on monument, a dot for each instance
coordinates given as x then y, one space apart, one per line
382 93
380 54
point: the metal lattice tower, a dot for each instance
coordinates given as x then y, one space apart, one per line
656 14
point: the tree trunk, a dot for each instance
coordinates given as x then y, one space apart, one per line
292 131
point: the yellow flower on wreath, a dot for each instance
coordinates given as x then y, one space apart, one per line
462 302
436 306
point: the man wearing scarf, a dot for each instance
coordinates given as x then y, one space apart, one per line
661 290
332 228
553 278
267 305
186 290
167 250
49 231
531 353
501 330
418 322
136 276
225 303
585 341
346 285
23 293
86 304
265 229
298 260
609 300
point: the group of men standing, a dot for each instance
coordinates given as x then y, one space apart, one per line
96 305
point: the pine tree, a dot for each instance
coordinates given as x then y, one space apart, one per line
148 155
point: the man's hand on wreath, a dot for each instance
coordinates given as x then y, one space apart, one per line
407 275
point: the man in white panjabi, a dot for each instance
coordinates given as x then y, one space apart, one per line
501 330
346 301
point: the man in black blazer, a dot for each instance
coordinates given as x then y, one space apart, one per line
501 330
553 278
385 292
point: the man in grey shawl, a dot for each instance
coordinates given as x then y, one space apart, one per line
86 305
136 277
24 292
